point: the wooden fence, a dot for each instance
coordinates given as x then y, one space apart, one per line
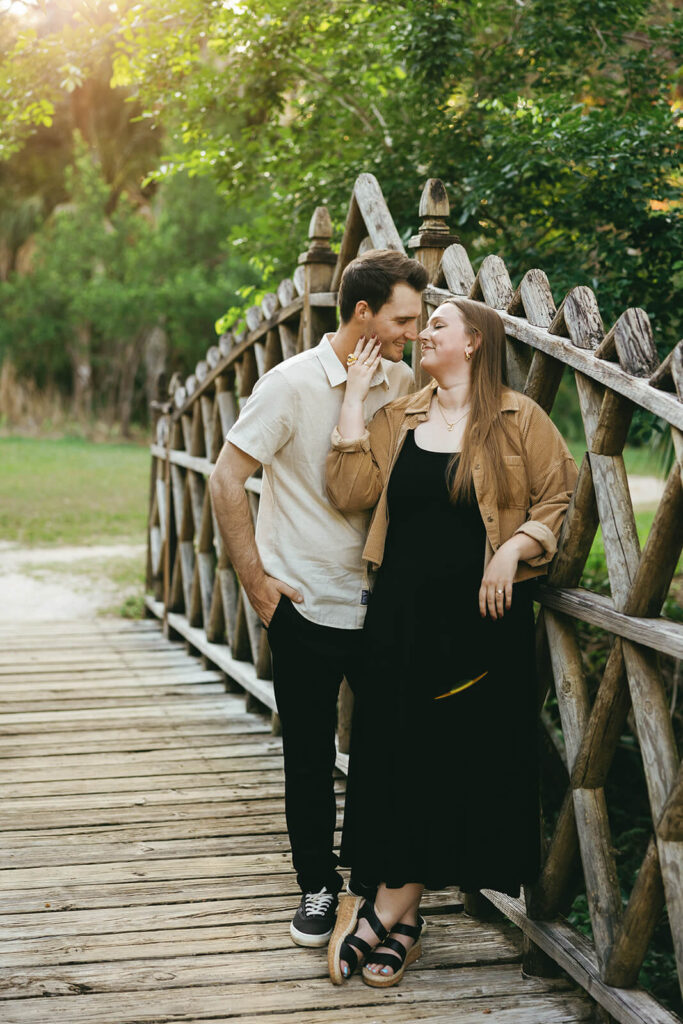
192 586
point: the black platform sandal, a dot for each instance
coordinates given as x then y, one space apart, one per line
399 959
344 944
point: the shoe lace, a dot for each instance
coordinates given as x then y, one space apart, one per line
318 903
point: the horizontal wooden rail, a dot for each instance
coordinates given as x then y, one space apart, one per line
597 609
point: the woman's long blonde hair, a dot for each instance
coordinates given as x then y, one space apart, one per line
485 424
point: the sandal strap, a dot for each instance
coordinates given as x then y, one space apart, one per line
367 912
411 930
388 960
397 947
360 944
349 954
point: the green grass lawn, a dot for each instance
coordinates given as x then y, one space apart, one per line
638 461
72 491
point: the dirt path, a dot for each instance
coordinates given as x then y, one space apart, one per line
69 582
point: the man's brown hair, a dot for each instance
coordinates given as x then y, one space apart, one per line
372 276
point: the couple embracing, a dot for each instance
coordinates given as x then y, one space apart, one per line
396 535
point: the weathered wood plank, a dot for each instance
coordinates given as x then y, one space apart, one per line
259 964
518 1009
169 734
114 760
22 794
146 808
124 769
174 868
208 1000
81 852
460 940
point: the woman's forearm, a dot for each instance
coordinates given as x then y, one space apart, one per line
525 546
351 424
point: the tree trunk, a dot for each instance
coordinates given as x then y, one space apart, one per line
129 369
155 356
79 353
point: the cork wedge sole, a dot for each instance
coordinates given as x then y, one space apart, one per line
347 918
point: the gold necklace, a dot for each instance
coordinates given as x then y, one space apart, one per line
449 425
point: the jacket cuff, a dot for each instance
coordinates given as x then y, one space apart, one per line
545 536
359 444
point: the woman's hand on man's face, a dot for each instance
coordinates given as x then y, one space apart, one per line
495 593
361 368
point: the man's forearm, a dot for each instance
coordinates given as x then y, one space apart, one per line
233 515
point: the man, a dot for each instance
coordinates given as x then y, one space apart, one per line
302 572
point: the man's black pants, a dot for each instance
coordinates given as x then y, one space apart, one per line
309 662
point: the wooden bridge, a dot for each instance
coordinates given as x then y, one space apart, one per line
146 873
145 867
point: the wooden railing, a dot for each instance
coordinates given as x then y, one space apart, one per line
192 585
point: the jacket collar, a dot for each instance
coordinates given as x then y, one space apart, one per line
336 373
421 400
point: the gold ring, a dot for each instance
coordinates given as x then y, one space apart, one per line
351 359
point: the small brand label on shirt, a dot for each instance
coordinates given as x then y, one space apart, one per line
364 596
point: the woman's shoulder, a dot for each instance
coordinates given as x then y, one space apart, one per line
527 407
408 403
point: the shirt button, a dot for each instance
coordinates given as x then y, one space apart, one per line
477 466
489 519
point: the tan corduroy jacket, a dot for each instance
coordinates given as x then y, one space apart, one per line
542 478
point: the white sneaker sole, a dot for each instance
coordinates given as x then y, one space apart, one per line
312 941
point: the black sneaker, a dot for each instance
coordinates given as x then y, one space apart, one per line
314 920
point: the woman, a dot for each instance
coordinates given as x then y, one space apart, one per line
470 483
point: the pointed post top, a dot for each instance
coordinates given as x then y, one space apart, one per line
434 199
321 225
319 234
434 209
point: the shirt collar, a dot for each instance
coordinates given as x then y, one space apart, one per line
336 373
420 402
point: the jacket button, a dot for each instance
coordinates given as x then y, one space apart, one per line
489 519
477 466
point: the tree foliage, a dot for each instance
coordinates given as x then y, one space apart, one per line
555 125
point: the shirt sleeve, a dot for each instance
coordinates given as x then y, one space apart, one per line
266 422
553 475
353 477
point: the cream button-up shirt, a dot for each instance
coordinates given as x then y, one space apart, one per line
301 537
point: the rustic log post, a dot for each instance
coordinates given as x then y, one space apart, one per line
344 716
318 263
428 247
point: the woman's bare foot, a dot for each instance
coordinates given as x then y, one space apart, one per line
405 940
364 931
392 906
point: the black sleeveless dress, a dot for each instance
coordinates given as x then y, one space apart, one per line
443 783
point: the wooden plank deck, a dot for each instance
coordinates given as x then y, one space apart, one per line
145 866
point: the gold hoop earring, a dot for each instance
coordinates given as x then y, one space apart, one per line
468 355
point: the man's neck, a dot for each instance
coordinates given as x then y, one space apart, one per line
345 339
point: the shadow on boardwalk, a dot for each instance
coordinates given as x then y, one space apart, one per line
146 873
